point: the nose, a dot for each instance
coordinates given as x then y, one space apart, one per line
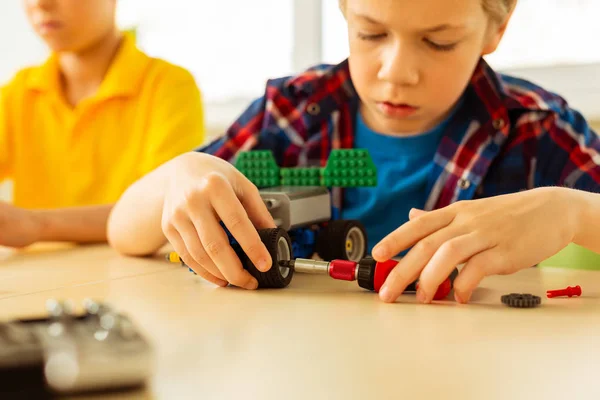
41 4
400 65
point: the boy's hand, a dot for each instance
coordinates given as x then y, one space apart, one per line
18 227
202 191
498 235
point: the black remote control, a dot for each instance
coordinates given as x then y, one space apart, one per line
65 353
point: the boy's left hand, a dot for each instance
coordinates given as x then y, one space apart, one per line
498 235
18 227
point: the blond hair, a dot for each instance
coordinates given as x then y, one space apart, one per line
498 10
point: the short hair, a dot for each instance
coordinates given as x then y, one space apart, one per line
498 10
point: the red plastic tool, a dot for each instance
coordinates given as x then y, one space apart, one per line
370 274
568 291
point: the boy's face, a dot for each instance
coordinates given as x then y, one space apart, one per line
410 60
71 25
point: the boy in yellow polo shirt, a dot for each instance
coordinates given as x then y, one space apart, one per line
76 131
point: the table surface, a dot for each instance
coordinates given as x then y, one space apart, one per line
326 339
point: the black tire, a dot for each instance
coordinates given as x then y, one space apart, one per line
333 241
279 245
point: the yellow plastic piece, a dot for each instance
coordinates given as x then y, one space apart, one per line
173 257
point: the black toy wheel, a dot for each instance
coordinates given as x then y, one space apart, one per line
521 300
342 240
279 245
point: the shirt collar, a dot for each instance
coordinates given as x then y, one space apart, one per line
124 76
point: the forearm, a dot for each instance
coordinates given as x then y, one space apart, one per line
78 224
588 220
134 226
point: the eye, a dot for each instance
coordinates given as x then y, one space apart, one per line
440 47
364 36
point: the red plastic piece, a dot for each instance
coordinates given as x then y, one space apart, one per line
342 270
382 270
443 290
569 291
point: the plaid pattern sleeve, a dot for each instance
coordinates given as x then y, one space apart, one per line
570 152
559 145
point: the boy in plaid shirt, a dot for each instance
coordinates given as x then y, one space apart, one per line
474 167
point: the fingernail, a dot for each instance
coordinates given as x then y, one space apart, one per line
253 284
461 298
379 252
385 294
264 265
421 296
457 297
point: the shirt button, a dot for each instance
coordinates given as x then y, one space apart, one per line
498 124
464 183
313 109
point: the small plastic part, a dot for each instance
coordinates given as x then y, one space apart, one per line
350 168
568 291
342 270
301 176
521 300
173 257
259 167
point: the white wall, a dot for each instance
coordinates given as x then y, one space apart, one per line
19 46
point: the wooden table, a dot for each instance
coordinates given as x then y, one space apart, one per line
325 339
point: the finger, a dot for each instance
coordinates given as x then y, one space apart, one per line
217 246
412 232
234 216
477 268
450 254
179 246
415 213
198 270
189 234
409 268
255 207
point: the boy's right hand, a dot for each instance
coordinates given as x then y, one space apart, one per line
202 191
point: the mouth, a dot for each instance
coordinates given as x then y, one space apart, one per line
48 26
397 110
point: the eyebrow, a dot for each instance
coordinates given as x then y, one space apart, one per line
437 28
443 27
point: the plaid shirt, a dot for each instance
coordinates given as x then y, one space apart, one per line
509 135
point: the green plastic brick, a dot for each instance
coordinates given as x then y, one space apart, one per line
350 168
259 167
301 176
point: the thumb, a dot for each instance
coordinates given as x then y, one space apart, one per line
415 213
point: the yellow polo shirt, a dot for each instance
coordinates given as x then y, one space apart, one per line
145 112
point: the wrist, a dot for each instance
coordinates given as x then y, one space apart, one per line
40 225
582 207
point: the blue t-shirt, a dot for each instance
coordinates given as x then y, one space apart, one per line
403 168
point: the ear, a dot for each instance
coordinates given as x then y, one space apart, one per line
495 34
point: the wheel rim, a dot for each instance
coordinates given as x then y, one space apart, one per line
283 253
355 244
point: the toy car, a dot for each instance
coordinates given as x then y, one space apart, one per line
299 199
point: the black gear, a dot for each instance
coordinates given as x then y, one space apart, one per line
521 300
